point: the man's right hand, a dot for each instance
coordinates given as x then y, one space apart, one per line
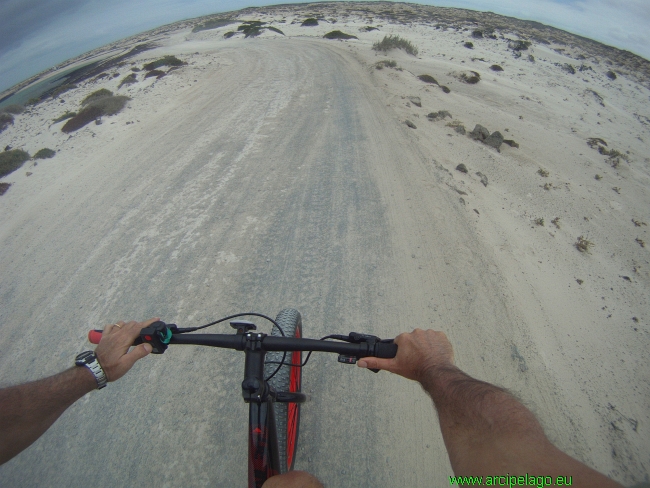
418 353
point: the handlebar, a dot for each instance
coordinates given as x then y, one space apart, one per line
160 335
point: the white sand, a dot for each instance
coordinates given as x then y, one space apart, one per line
504 289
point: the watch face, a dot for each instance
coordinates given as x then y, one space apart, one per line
83 358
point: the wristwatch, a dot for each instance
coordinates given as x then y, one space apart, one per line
88 359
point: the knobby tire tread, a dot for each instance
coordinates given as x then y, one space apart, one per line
289 320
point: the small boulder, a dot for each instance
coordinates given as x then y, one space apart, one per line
494 140
511 143
462 168
479 133
410 124
415 101
433 116
484 179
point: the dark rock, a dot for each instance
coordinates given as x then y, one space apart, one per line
462 168
479 133
433 116
611 75
496 67
410 124
469 45
494 140
445 89
511 143
415 101
7 148
477 34
484 179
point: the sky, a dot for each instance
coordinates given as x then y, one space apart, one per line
38 34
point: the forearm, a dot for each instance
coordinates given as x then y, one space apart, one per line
479 421
489 432
26 411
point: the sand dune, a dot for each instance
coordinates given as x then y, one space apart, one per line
280 170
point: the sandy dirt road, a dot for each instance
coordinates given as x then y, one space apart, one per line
279 179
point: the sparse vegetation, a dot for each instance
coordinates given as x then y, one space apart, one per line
445 89
428 79
395 42
5 121
569 68
156 72
496 67
337 34
458 126
228 35
96 95
611 75
543 172
388 63
539 221
11 160
60 90
598 177
548 186
14 109
470 79
640 242
638 223
127 80
96 105
583 245
556 222
469 45
212 24
519 45
164 61
45 153
309 22
4 187
477 34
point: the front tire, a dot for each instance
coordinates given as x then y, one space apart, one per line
287 379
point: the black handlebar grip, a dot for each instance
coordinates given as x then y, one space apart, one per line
385 350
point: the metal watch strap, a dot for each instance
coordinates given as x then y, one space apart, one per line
91 362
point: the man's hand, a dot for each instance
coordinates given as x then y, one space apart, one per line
112 349
418 353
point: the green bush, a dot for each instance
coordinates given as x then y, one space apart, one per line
229 34
155 72
309 22
10 161
395 42
164 61
388 63
108 105
5 120
469 45
127 80
428 79
339 35
472 79
96 95
13 109
45 153
66 115
212 24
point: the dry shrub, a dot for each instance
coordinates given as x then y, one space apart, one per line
395 42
